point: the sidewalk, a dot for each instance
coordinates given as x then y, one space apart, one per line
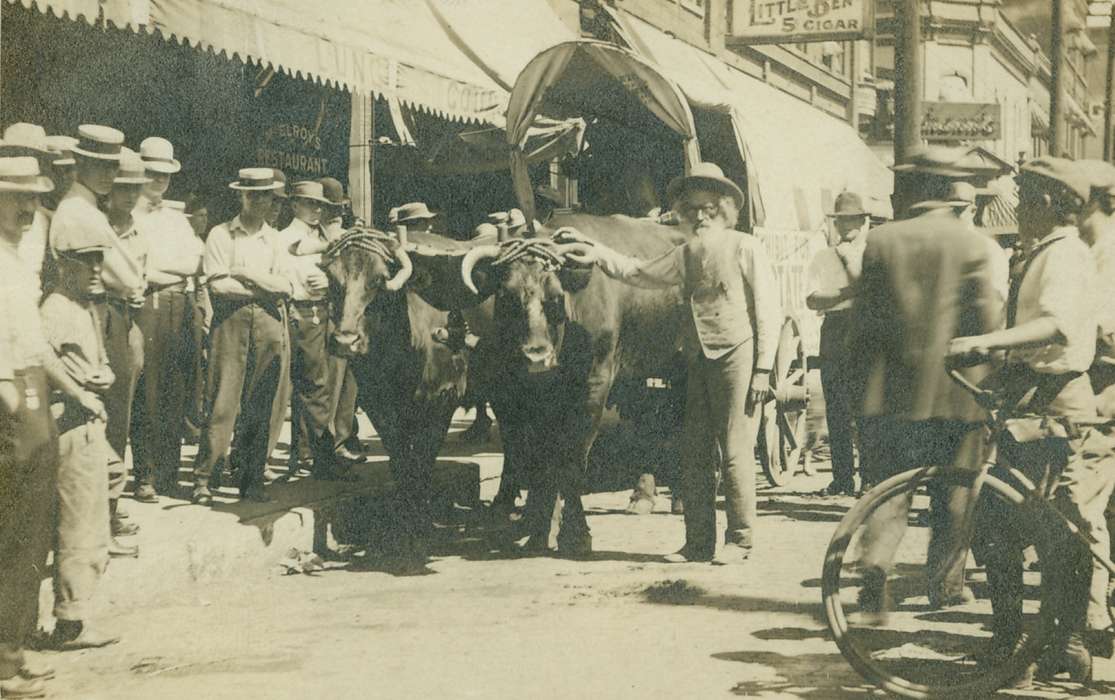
185 547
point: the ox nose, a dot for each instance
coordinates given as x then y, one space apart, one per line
348 342
541 357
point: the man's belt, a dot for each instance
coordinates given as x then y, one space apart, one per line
309 303
172 287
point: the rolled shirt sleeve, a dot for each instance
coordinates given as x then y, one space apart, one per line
758 274
217 260
667 270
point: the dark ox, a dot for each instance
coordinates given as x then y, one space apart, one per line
561 337
409 384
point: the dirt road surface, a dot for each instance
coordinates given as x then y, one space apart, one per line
623 624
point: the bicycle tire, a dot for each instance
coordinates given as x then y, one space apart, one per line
995 677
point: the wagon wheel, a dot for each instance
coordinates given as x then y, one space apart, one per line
782 433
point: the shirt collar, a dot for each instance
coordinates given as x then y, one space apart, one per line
1056 235
236 226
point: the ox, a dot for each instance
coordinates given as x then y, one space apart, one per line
410 384
561 336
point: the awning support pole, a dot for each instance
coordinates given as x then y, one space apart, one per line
1107 126
908 93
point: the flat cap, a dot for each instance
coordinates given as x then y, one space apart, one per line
1068 174
1100 175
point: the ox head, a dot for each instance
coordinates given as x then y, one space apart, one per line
361 265
529 278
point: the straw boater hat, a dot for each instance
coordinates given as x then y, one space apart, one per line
705 176
158 155
23 139
848 204
1100 175
132 170
255 180
100 142
413 211
174 204
21 174
63 149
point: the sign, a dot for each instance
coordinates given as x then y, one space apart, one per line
797 21
961 121
302 129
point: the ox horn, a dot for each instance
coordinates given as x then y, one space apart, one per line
406 267
480 252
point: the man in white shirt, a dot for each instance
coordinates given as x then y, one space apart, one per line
833 274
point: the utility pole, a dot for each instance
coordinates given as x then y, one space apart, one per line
908 90
1107 136
1056 74
907 78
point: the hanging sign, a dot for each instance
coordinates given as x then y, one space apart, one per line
961 121
798 21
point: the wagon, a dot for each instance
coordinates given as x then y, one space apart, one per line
642 129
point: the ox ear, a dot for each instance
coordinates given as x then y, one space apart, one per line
437 278
574 278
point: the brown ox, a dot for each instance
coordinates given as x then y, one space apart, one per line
561 337
410 385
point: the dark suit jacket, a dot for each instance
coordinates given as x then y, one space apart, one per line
925 281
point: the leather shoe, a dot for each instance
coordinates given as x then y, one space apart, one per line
22 688
256 494
838 489
687 555
123 529
32 671
344 454
731 553
145 493
938 601
73 635
202 496
117 549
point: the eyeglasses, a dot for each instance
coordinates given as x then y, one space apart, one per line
689 211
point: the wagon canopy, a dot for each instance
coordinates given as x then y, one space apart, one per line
595 80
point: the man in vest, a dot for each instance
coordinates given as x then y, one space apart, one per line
731 337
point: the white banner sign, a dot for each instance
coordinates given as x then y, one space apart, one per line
796 21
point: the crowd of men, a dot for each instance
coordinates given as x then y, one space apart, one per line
126 322
110 291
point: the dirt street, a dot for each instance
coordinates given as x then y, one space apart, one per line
622 625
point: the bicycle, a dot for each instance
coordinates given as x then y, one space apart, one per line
936 660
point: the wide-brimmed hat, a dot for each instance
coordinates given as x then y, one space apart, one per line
334 191
21 174
1062 171
63 149
158 155
73 241
705 176
848 204
308 189
23 139
960 194
132 170
255 180
944 161
414 210
100 142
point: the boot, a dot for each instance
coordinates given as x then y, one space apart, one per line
119 527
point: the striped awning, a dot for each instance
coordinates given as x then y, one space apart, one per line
394 48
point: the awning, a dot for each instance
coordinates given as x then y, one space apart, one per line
593 79
485 149
798 157
386 47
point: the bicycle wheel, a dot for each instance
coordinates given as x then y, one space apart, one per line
914 650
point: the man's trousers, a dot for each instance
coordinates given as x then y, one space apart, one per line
124 348
838 389
28 468
312 409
